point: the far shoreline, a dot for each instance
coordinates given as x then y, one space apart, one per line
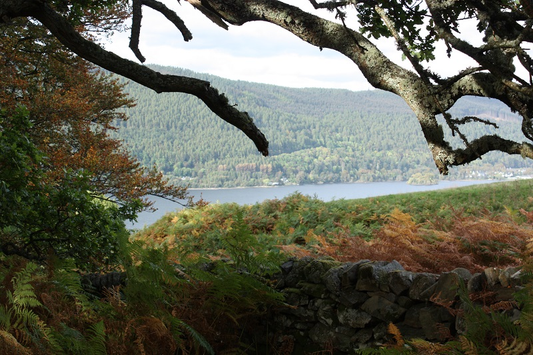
351 183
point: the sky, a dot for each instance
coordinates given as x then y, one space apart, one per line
256 51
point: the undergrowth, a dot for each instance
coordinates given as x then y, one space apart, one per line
197 281
472 227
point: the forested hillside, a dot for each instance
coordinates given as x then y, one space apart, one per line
316 136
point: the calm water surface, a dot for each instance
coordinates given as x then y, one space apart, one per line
327 192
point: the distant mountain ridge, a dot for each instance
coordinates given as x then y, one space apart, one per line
316 135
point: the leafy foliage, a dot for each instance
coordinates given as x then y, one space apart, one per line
73 108
65 219
467 227
204 287
409 18
317 136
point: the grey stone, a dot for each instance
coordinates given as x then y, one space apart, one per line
513 314
405 302
327 312
345 330
412 316
283 320
304 300
287 266
510 276
344 343
435 323
400 281
477 283
462 273
332 280
460 324
422 282
348 276
351 297
428 293
315 269
506 293
409 332
447 287
387 295
383 309
374 276
493 276
335 310
296 273
312 289
363 336
354 318
322 334
292 296
381 332
367 280
303 314
304 325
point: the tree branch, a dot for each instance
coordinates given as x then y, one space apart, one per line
136 30
379 70
156 81
487 144
171 16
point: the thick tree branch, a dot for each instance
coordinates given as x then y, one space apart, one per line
487 144
208 12
158 82
136 30
425 99
381 72
171 16
495 77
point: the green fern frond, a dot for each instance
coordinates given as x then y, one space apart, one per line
96 342
73 341
47 334
198 338
69 282
5 317
23 295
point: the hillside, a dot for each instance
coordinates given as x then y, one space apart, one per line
316 136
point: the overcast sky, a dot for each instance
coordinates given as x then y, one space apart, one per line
257 52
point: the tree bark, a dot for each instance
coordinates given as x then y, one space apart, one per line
427 100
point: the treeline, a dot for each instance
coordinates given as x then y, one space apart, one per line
316 136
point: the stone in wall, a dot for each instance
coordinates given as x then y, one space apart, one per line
347 306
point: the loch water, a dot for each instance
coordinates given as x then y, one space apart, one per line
325 192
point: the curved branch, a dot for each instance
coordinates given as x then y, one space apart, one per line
488 144
171 16
217 102
379 70
136 30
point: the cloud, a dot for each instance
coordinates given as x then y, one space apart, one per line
256 51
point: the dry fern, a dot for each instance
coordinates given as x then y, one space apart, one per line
467 346
517 347
395 332
152 336
428 348
287 345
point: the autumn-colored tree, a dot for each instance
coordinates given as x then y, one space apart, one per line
73 108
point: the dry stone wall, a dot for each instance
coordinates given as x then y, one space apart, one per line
348 306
